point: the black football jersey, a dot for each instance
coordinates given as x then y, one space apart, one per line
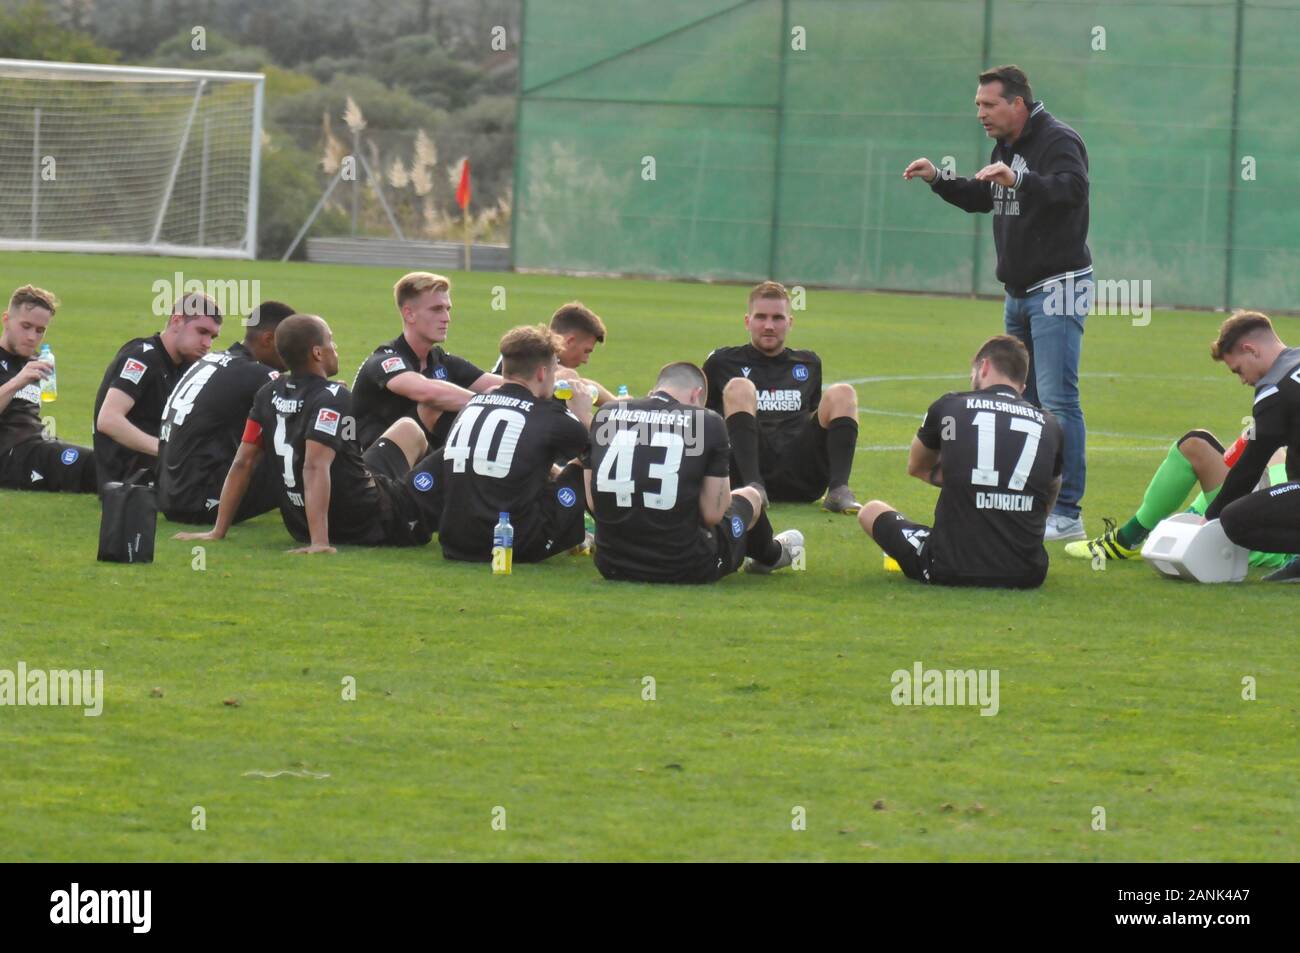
999 455
789 386
648 461
20 421
144 370
498 460
202 422
289 411
377 408
1276 423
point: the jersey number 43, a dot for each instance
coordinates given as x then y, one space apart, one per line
615 473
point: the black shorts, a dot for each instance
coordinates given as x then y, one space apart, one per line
563 503
796 465
721 552
400 519
49 465
1266 521
262 496
907 542
911 546
729 538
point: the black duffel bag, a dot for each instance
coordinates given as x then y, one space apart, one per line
130 518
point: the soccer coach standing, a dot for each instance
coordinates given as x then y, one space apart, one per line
1036 186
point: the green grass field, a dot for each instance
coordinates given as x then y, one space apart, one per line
1119 689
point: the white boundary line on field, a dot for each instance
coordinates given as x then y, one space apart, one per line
1163 441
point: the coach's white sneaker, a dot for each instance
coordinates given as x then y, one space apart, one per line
1063 529
791 541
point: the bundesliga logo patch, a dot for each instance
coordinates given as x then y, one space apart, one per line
133 370
327 421
69 456
566 496
423 481
393 364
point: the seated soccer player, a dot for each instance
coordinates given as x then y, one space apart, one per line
657 482
203 421
581 330
498 458
1267 520
328 491
996 459
1195 457
787 435
411 375
28 460
137 383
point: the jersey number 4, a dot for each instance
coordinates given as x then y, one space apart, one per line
615 473
983 473
459 447
181 401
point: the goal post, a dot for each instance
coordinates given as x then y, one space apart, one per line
129 159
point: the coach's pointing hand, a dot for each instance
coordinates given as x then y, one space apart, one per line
922 167
998 172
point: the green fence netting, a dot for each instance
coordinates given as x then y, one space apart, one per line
774 160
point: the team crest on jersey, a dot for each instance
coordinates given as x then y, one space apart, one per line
423 481
440 372
327 421
737 527
566 496
800 372
69 456
393 364
133 370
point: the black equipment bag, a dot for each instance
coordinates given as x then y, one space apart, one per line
130 518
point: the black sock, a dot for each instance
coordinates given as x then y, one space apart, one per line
841 443
760 544
742 428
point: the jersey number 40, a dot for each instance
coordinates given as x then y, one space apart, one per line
464 442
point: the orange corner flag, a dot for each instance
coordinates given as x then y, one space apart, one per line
463 190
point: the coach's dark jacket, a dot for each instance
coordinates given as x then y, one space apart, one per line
1040 226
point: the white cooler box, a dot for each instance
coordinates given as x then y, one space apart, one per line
1183 547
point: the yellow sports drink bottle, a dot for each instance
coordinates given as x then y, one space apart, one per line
503 546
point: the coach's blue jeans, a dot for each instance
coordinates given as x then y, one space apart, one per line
1055 343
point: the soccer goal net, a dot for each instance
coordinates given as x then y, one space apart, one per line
129 159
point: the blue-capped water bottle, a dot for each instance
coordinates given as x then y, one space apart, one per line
503 546
49 385
622 392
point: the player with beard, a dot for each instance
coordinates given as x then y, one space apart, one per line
788 436
997 461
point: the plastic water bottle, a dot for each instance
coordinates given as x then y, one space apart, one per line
50 385
503 546
622 392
